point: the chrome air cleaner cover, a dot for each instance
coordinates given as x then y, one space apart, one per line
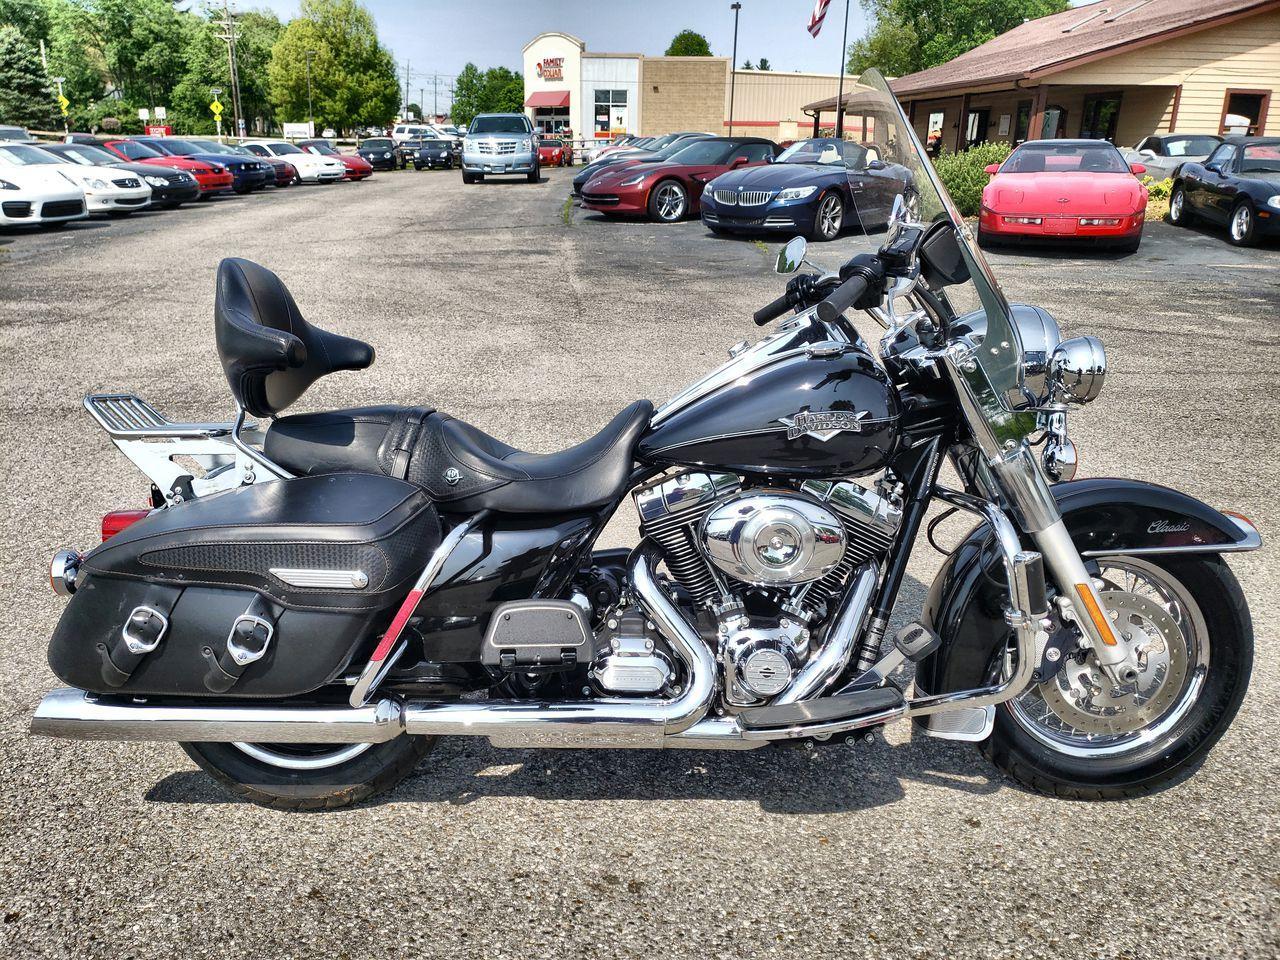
770 538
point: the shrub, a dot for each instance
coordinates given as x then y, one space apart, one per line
964 174
1158 189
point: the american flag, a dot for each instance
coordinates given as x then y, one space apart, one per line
819 14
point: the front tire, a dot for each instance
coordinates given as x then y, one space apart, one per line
535 174
310 776
828 218
1050 755
668 202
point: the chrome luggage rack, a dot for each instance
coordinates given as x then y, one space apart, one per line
126 416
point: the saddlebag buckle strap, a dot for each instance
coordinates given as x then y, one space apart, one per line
247 642
141 634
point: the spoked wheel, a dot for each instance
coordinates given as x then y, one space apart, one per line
1179 214
828 218
668 202
310 776
1243 225
1080 735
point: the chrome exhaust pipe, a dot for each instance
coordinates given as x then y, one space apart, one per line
611 722
79 715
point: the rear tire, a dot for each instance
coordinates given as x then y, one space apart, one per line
535 174
986 241
273 783
1129 246
1242 228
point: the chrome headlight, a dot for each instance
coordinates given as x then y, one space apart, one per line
1039 335
796 193
1077 369
157 181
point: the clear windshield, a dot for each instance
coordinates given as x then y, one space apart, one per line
883 158
500 124
20 156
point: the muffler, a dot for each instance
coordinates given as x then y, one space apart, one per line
511 723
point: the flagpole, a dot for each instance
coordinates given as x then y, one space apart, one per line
844 53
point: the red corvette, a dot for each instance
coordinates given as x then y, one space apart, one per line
1064 189
210 177
554 153
671 190
357 167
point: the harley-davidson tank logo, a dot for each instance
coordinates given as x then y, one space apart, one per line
823 424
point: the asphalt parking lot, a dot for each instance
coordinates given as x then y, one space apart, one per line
499 303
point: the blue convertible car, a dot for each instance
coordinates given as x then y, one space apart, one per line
815 188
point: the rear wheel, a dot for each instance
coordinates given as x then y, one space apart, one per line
1244 225
985 240
310 776
535 174
1079 735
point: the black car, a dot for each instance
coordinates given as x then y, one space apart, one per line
248 174
169 187
655 151
1237 187
379 152
433 155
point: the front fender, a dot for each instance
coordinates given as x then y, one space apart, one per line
1104 516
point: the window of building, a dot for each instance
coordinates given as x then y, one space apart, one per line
1054 124
610 111
933 134
1100 117
1245 109
976 127
1022 121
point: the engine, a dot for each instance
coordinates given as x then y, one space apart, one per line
761 565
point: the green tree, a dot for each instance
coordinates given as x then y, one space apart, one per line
414 109
747 65
686 43
25 98
911 35
207 67
31 17
496 90
764 64
353 78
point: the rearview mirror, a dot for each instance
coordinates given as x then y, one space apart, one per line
991 169
792 255
876 165
1137 169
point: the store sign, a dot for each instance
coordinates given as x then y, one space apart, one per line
159 130
551 68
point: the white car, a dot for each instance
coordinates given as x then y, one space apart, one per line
105 191
311 167
36 194
404 132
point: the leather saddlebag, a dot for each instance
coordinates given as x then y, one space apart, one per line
269 590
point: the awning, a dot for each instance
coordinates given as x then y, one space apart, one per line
548 98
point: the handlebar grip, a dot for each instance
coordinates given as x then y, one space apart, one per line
772 310
842 298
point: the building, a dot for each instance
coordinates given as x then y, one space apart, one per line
600 95
1117 69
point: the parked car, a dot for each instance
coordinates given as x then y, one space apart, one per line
285 174
1161 154
105 191
357 167
311 167
670 145
554 152
16 134
672 190
617 143
815 187
36 194
378 152
247 174
1237 186
1064 189
169 188
499 143
211 178
429 154
403 132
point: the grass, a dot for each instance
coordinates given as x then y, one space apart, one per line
566 212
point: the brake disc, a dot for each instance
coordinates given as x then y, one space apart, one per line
1082 696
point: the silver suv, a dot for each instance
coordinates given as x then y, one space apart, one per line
499 143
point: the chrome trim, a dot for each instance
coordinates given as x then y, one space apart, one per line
1252 540
966 724
328 579
824 666
125 416
256 456
79 715
830 728
63 570
242 655
286 761
136 645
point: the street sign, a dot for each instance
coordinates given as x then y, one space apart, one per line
63 103
144 114
162 113
216 107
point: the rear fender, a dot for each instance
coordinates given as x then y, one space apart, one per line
1104 517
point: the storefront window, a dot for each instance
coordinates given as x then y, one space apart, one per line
611 113
933 136
1100 117
550 119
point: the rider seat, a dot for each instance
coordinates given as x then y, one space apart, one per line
271 355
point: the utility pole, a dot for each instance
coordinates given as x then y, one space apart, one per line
311 114
228 25
844 54
733 63
422 98
406 87
435 96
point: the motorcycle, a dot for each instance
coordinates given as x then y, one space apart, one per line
313 599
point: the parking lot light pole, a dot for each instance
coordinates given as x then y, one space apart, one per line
733 62
311 116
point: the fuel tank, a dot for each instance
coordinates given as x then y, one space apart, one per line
816 411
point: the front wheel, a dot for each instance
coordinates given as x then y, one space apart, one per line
668 202
1078 735
828 218
310 776
535 174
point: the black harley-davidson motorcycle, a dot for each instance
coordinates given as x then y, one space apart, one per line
314 598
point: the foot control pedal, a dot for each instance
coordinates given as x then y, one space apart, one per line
846 706
916 641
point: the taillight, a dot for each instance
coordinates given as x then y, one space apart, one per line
118 520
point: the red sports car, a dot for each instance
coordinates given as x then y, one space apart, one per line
210 177
358 168
554 153
1064 189
671 190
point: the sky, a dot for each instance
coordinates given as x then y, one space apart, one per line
438 37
